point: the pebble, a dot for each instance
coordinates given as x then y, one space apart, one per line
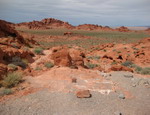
121 96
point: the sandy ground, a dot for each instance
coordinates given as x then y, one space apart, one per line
46 102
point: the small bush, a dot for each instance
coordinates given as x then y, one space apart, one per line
48 64
113 63
19 62
14 67
93 57
12 79
91 66
38 51
38 68
6 91
145 71
127 64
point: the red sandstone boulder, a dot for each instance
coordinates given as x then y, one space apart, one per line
68 33
61 57
83 94
76 57
120 68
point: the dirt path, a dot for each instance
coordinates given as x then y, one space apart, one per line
51 101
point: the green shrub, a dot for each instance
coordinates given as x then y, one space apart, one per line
18 62
6 91
138 69
91 66
145 71
14 67
12 79
127 64
38 51
38 68
113 63
48 64
93 57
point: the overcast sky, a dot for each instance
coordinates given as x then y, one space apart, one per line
102 12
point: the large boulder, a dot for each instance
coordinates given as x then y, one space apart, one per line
76 57
63 56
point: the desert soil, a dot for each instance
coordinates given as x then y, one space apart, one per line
61 99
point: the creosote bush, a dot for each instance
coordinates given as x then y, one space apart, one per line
14 67
6 91
38 51
12 79
127 64
48 64
91 66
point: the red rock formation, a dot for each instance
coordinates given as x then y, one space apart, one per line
92 27
122 29
11 46
6 30
46 23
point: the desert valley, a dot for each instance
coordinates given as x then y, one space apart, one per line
51 67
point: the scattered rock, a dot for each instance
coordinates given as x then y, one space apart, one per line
143 82
83 94
74 80
128 75
121 96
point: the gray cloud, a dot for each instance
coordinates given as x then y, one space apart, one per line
103 12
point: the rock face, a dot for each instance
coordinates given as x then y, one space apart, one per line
120 68
63 56
6 30
83 94
47 23
12 46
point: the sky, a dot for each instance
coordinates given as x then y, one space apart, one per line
101 12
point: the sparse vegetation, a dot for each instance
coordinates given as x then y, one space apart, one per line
48 65
6 91
38 50
144 71
91 66
113 63
38 68
12 79
14 67
98 37
127 64
93 57
19 62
